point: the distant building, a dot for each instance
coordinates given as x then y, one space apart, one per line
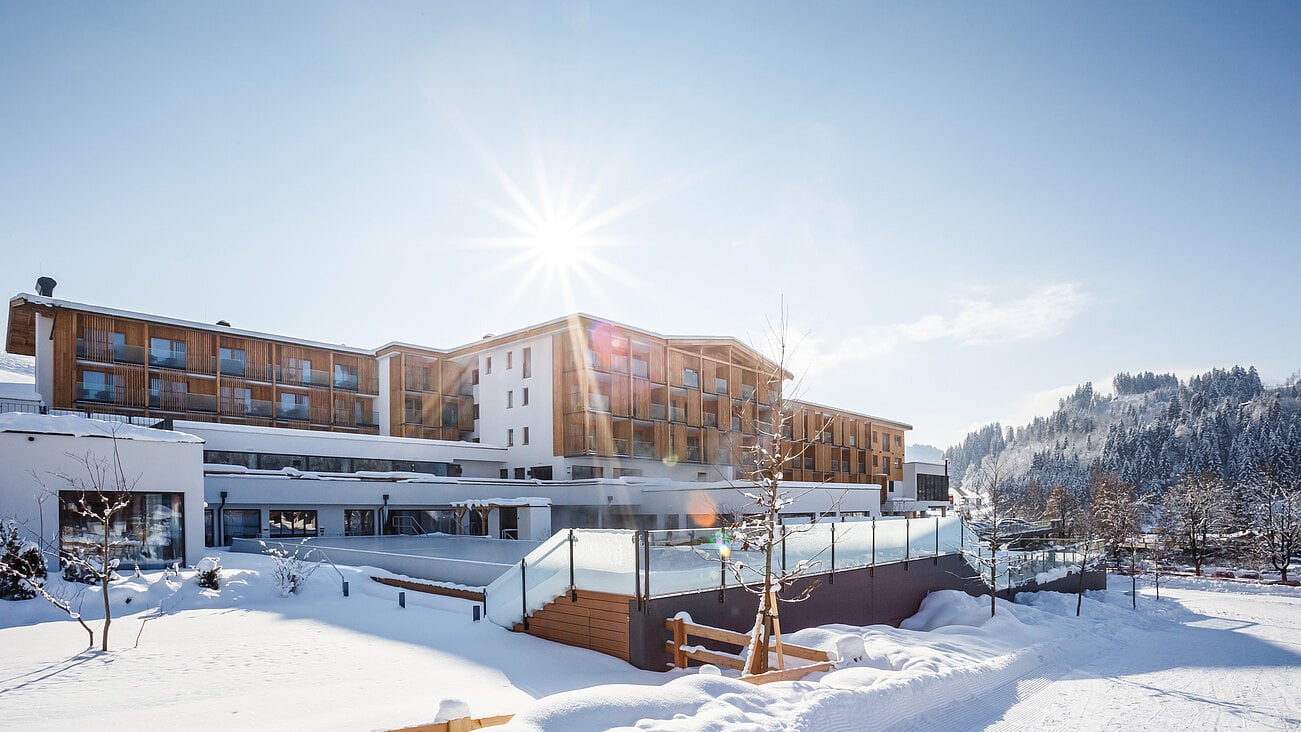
924 489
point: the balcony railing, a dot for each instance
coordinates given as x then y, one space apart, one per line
167 359
710 419
346 381
97 393
720 386
658 411
622 447
167 399
693 454
106 353
233 367
678 414
297 411
598 402
747 391
643 449
302 376
345 417
201 402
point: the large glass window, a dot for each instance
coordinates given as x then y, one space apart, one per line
284 523
232 361
148 532
96 386
359 522
167 353
240 523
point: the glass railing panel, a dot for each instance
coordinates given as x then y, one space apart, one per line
233 367
96 393
302 412
643 449
259 408
134 355
167 359
598 402
622 447
201 402
345 381
658 411
676 414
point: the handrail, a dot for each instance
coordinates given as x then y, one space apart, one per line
408 523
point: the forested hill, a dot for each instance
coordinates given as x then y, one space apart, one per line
1152 429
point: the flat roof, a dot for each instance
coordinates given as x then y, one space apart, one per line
76 426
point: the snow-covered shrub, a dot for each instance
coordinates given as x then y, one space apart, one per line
208 572
21 564
78 568
291 570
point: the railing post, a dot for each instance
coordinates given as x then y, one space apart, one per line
573 590
872 571
907 540
832 579
937 540
636 564
722 577
646 573
783 551
524 591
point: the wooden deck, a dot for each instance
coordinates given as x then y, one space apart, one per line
595 620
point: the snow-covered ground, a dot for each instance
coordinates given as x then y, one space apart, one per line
1209 655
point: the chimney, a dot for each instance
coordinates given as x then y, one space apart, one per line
225 323
45 286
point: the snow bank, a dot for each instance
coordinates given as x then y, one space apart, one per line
70 424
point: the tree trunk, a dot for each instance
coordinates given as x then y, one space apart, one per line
106 573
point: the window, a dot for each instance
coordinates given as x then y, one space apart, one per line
487 365
898 463
358 522
876 461
510 399
627 473
510 360
898 441
148 531
720 385
691 378
272 461
96 386
240 523
519 473
345 377
413 412
584 472
324 464
510 438
524 398
476 410
474 377
526 435
294 406
236 400
226 457
852 442
451 414
292 523
232 361
167 394
167 353
526 362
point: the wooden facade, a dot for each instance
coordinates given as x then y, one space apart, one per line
618 392
112 364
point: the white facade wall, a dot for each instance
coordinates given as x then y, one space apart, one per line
502 386
45 358
31 463
382 406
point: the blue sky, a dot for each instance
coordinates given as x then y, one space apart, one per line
966 207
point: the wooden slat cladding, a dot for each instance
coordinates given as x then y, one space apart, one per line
595 620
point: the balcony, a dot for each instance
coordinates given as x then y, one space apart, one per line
201 402
302 376
747 392
643 449
97 393
710 419
345 418
659 411
622 447
598 402
295 411
104 353
167 359
345 381
676 414
259 408
173 401
232 367
693 454
413 417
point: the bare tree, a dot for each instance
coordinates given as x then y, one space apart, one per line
98 494
1275 496
989 554
1195 514
772 454
1063 509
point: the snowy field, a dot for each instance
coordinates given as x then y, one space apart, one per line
1209 655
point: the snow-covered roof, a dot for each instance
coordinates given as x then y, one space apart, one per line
222 329
19 391
69 424
499 502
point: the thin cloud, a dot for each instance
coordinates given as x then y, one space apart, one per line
1045 311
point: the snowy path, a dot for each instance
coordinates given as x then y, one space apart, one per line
1232 665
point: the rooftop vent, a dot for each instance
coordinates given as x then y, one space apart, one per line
45 286
486 336
225 323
